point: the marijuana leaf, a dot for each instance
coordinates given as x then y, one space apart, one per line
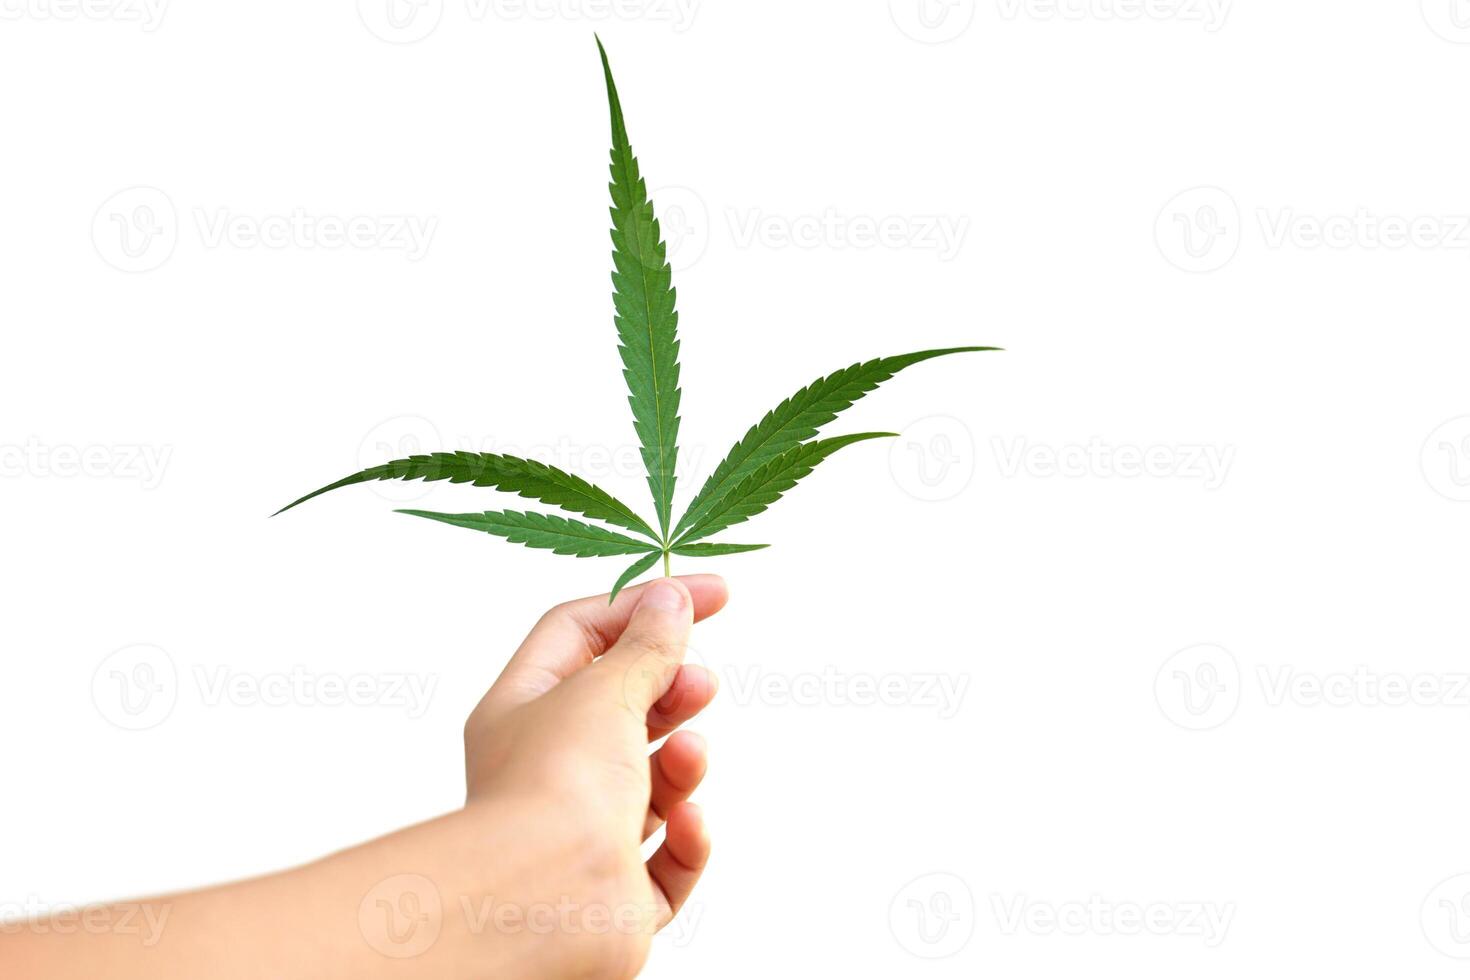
525 477
772 457
711 550
765 485
796 420
561 535
633 571
643 296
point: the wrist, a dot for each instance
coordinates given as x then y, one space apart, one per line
500 888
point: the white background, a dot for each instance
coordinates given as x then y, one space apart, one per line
1203 230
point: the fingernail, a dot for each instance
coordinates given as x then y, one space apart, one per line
663 594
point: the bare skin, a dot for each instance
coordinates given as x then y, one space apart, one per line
539 875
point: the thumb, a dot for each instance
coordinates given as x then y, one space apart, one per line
647 656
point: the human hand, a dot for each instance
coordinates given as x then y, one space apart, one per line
539 875
561 742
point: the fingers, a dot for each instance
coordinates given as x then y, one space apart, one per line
693 689
641 667
676 770
572 634
676 866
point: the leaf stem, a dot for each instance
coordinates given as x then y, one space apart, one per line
666 565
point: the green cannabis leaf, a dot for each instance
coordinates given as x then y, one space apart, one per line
643 295
633 571
706 549
560 535
797 419
764 486
769 460
522 476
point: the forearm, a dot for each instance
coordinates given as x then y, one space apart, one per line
390 907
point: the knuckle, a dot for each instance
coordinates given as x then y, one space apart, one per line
560 612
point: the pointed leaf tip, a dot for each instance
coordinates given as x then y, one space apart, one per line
768 483
511 474
702 549
644 314
561 535
633 571
796 420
